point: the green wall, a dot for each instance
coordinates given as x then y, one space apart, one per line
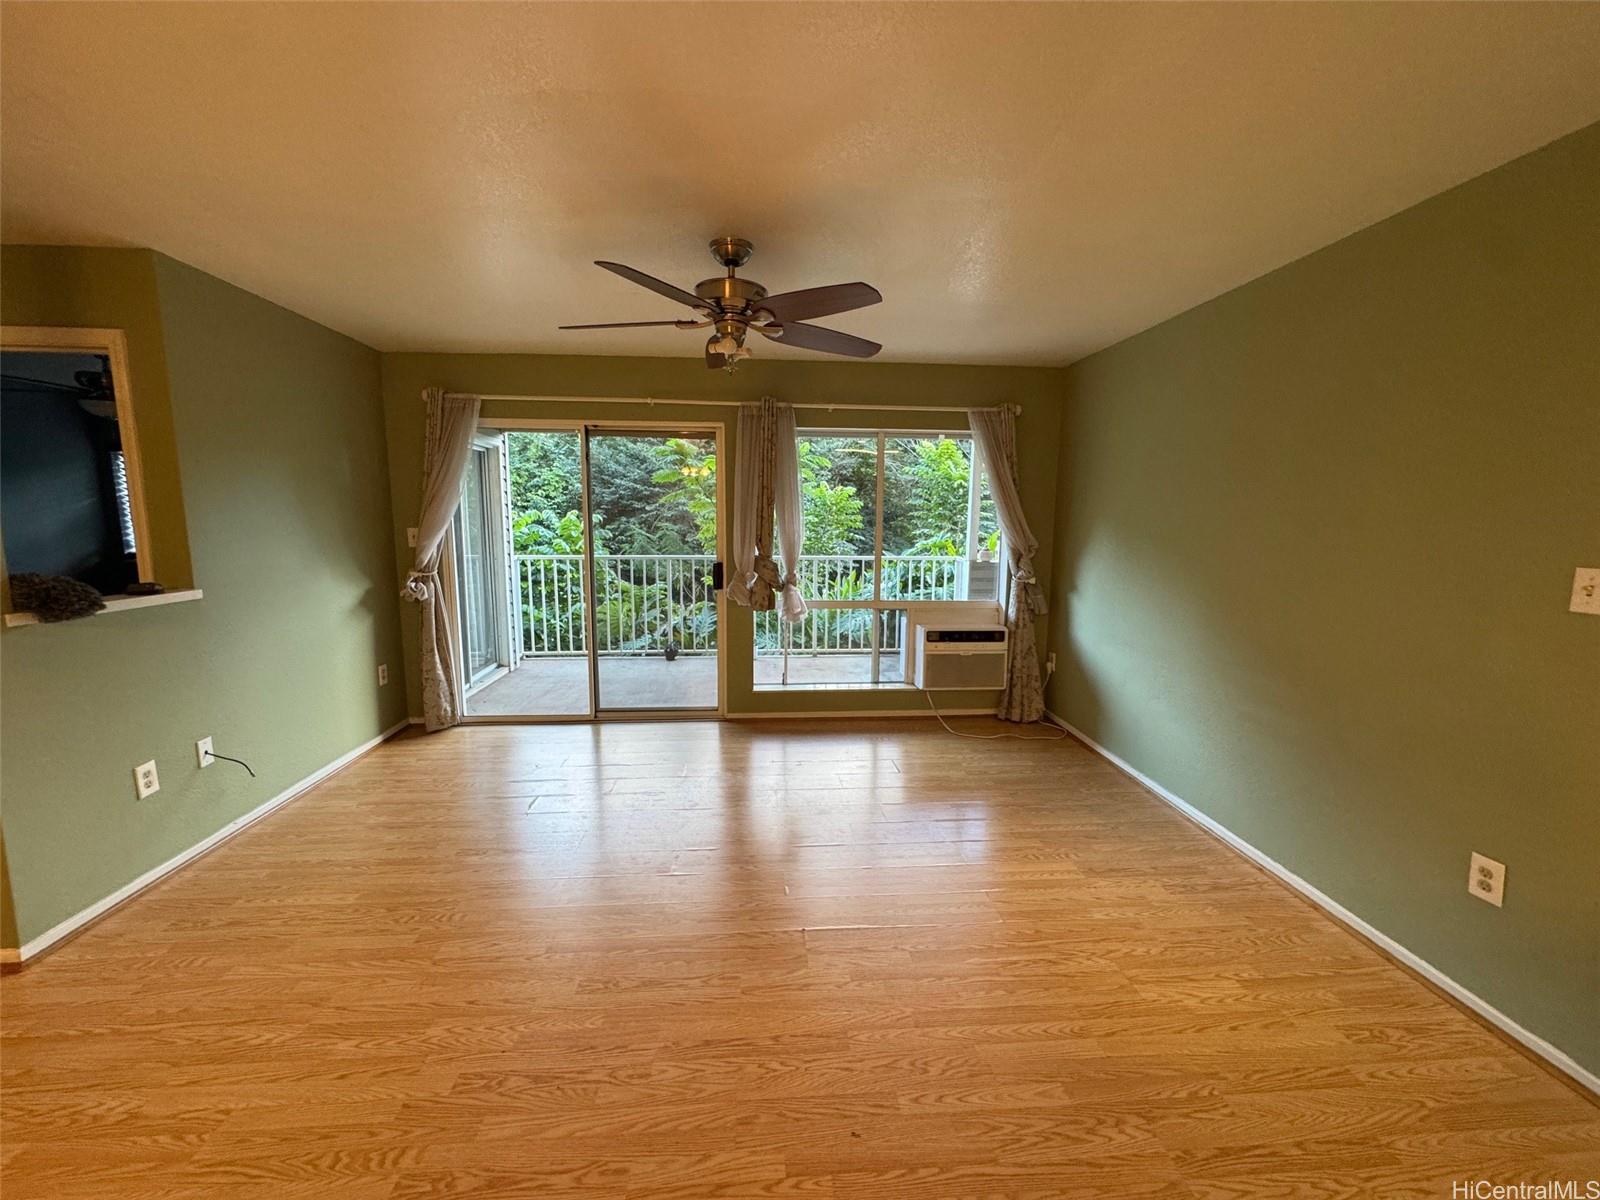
893 386
278 431
1316 539
114 289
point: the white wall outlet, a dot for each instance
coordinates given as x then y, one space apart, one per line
383 674
1486 879
146 782
1050 664
202 752
1585 591
411 537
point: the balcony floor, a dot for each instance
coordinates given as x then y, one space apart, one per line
557 687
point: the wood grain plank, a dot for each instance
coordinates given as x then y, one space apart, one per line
854 960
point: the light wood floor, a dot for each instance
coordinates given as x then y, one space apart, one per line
866 960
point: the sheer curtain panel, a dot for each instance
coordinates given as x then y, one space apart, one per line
449 423
995 432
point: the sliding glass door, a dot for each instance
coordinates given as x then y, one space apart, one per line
653 511
611 575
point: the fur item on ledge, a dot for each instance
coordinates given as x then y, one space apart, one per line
54 597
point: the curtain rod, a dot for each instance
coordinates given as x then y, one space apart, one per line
652 401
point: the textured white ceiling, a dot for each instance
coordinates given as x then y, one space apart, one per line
1024 183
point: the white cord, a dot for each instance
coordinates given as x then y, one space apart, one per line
989 737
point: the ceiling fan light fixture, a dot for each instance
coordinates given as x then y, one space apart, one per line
735 305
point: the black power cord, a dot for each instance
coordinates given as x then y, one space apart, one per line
225 758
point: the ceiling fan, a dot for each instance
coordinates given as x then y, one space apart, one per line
734 306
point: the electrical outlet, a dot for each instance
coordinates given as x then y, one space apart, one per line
1585 591
1050 664
383 674
411 537
202 752
146 782
1486 879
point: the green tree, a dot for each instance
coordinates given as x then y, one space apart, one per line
544 532
544 472
688 475
937 475
833 510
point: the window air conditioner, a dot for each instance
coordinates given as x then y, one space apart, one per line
958 656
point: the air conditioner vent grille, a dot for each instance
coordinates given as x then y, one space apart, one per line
959 656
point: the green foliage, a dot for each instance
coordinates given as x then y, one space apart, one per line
938 475
658 496
688 472
544 471
649 496
543 532
832 508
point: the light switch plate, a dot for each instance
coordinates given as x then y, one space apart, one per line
383 674
1586 591
411 537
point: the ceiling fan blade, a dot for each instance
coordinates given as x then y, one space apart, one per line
831 341
620 325
659 286
819 301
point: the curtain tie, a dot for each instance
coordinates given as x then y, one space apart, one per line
791 604
1028 584
419 585
768 583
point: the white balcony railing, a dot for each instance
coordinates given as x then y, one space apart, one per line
647 602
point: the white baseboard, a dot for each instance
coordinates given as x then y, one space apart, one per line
1553 1055
72 924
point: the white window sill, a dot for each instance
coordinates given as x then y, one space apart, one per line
114 604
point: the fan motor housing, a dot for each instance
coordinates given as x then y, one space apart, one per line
730 291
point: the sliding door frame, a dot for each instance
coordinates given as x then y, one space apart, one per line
717 431
490 470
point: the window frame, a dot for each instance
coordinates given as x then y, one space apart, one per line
113 343
879 603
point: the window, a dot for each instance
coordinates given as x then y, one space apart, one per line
72 495
891 518
69 489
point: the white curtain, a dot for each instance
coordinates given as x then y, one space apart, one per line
752 499
786 500
995 433
767 481
449 423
